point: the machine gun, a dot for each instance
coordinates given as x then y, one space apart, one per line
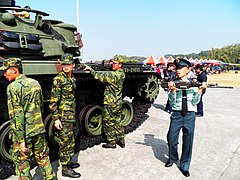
181 84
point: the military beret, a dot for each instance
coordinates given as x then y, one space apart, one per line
67 59
181 62
117 60
11 62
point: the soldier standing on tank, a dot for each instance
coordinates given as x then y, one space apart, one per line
62 106
112 123
25 103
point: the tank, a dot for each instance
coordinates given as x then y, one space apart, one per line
40 42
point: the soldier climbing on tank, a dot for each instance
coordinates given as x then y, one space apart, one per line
25 102
62 106
112 123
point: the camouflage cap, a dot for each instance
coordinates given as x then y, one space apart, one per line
117 59
11 62
67 59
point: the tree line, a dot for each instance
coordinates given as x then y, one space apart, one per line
228 54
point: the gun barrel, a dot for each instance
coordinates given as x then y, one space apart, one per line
182 85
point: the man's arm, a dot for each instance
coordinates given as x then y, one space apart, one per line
16 114
55 98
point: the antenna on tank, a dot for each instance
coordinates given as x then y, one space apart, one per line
77 13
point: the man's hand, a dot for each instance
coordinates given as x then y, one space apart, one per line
202 87
87 68
58 124
172 87
24 148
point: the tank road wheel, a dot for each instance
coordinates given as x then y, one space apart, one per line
48 123
82 115
51 130
5 142
149 89
127 113
93 120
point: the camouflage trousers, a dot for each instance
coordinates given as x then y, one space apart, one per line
38 147
67 142
112 124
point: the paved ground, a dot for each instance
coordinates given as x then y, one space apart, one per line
216 153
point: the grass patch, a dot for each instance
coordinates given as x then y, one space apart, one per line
225 79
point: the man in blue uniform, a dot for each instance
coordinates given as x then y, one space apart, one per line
201 77
183 116
169 75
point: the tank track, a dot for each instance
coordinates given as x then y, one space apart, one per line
6 170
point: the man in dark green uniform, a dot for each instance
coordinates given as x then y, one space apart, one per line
112 123
25 102
62 106
183 117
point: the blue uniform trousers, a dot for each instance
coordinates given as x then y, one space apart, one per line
187 124
200 106
168 106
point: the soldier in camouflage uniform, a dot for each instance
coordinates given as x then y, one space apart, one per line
27 129
112 123
62 106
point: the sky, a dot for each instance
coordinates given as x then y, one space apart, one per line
146 27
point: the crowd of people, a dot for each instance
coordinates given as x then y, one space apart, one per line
25 103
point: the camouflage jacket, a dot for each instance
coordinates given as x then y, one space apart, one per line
62 100
25 103
113 90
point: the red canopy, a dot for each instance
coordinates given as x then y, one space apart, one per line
151 60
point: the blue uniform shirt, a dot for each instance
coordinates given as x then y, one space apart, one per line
193 97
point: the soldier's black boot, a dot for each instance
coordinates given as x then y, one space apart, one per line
121 143
67 171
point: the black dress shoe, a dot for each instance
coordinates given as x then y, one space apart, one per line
74 165
69 172
121 143
185 173
168 164
109 145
